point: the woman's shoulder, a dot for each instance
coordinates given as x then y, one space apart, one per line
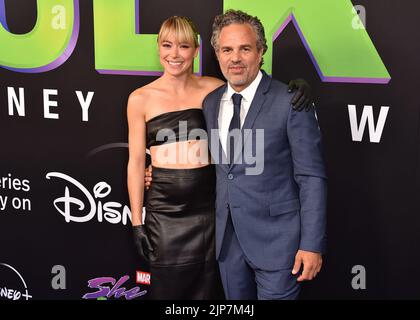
144 92
137 101
143 95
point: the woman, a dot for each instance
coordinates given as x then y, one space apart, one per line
177 237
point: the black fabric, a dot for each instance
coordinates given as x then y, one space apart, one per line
235 123
180 213
170 121
141 240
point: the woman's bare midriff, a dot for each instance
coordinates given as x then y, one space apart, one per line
188 154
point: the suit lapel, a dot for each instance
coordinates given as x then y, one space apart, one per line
213 132
254 109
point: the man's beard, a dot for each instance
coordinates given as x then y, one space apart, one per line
233 80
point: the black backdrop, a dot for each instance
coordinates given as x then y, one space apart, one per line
373 201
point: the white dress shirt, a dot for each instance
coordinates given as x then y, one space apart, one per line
226 107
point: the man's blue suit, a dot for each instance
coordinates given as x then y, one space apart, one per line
283 209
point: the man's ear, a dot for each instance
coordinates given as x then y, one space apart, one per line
261 53
216 52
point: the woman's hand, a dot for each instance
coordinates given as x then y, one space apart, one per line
141 240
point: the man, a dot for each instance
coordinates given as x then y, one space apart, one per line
272 224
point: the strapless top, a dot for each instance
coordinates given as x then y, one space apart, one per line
174 126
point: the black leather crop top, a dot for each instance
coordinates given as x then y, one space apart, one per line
170 128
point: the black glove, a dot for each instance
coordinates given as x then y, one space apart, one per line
303 97
141 240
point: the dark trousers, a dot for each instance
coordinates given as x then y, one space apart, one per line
242 280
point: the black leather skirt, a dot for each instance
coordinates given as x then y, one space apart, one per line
180 213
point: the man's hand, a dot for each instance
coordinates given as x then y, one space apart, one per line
312 263
148 177
303 97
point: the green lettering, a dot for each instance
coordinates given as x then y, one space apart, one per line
119 48
48 44
340 52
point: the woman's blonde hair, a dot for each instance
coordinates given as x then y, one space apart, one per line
183 29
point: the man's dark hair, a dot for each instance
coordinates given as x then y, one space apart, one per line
239 17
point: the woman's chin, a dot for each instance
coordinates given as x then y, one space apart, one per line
177 72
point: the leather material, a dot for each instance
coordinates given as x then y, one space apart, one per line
180 207
141 241
168 124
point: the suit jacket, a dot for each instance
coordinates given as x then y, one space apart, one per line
282 208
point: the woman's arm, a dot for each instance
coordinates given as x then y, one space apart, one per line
137 155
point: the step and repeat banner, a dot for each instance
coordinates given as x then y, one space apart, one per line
67 68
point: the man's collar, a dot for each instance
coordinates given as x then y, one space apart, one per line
249 92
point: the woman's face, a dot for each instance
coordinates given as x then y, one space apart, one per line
176 57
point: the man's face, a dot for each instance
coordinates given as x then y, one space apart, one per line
238 55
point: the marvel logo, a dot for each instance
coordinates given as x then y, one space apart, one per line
143 277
